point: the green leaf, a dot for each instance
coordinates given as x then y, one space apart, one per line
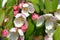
10 3
36 7
6 38
56 35
30 28
51 5
8 10
30 38
0 31
9 24
48 5
40 30
2 15
34 1
54 5
0 3
41 4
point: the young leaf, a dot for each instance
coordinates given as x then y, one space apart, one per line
30 28
34 1
54 5
2 15
36 8
0 3
10 3
41 4
56 35
9 24
48 5
51 5
0 31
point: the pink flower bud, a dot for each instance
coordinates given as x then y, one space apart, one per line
15 7
35 16
4 33
24 28
16 12
21 4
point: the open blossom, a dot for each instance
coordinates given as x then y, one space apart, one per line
35 16
50 21
4 33
27 8
19 20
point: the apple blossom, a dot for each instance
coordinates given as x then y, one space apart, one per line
49 24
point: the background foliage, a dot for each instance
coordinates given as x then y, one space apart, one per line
41 7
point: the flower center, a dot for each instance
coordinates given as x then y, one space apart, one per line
20 19
25 8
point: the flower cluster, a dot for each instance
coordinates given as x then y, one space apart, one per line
21 12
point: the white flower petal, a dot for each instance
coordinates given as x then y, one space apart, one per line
13 36
57 15
40 21
25 5
13 30
3 3
31 8
18 15
22 37
25 13
18 24
58 6
20 32
50 36
49 25
53 19
47 15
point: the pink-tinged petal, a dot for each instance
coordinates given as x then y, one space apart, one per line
4 33
15 7
16 12
31 8
35 16
46 37
13 29
21 5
